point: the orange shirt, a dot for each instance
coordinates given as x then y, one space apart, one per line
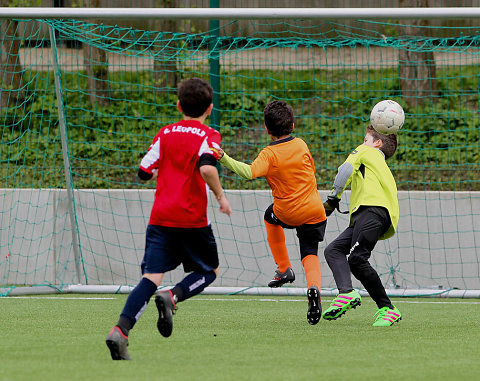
289 169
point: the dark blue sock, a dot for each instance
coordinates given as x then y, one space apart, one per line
136 303
193 284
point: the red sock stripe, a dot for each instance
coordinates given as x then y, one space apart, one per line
119 330
171 298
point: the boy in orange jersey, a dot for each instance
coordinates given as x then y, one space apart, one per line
288 167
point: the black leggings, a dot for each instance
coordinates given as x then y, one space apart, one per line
309 235
368 224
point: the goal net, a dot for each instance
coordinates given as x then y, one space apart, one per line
82 100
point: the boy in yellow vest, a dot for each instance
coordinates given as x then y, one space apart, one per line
374 215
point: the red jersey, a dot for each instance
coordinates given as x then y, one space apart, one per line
181 194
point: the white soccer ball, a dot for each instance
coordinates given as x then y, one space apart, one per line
387 117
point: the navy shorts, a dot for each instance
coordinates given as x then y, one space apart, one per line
309 235
166 248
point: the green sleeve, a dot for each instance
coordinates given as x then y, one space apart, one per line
241 169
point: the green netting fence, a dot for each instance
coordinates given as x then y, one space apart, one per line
117 87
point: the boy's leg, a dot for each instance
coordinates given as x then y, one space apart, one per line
158 258
313 274
276 242
193 284
198 250
117 339
336 256
136 304
368 227
309 236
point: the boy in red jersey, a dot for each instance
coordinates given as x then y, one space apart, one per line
179 231
288 167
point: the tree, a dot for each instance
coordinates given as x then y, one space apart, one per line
165 67
417 69
10 66
96 65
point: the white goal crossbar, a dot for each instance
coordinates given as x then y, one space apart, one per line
239 13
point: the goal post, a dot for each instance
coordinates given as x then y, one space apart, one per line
82 96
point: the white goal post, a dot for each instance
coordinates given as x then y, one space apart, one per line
406 13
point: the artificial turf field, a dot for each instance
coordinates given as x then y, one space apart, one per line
238 338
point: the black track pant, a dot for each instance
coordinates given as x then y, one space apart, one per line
356 242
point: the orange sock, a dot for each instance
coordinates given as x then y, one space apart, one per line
276 241
313 272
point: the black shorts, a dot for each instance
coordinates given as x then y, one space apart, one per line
166 248
309 235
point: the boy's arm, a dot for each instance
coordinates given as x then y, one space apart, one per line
210 175
150 161
241 169
145 176
342 179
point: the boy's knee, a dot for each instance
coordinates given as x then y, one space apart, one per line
270 217
357 261
329 252
210 277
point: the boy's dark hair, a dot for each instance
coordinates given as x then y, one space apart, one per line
389 142
278 117
195 96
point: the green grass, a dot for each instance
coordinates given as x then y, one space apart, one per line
238 338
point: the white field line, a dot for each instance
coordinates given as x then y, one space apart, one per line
226 299
323 300
55 297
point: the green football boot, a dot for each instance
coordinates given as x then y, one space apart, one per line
385 317
341 304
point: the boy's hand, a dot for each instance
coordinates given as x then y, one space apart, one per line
224 205
330 205
218 151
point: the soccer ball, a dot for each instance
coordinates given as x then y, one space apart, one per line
387 117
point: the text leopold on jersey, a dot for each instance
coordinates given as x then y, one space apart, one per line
191 130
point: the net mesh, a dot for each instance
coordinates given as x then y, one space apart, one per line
118 87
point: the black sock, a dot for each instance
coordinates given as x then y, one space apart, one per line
177 294
192 285
124 324
136 303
